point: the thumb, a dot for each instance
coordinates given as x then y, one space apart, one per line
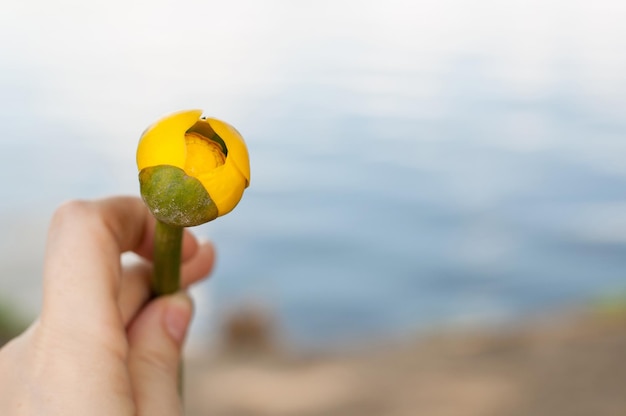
156 338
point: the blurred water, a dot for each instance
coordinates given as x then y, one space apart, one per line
412 164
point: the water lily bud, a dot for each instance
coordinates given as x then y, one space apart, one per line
192 169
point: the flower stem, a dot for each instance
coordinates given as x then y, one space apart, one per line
168 241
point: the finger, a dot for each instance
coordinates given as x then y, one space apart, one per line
135 290
82 262
155 339
198 266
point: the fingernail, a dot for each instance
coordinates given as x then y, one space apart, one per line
203 240
178 316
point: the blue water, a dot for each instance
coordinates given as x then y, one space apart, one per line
364 240
412 166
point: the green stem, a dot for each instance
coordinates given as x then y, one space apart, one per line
168 241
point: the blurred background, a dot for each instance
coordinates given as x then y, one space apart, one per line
417 166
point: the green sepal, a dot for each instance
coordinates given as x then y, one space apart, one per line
176 198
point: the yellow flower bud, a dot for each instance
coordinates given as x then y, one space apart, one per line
192 169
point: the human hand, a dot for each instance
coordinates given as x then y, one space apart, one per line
100 345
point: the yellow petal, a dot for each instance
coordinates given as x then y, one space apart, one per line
163 143
225 185
237 150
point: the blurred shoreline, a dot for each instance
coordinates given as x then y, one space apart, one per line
567 363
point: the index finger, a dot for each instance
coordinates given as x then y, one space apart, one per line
82 262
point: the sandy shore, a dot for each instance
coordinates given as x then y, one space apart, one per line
567 365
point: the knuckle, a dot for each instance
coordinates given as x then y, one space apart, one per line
77 213
71 210
159 361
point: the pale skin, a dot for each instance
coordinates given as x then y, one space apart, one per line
101 345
